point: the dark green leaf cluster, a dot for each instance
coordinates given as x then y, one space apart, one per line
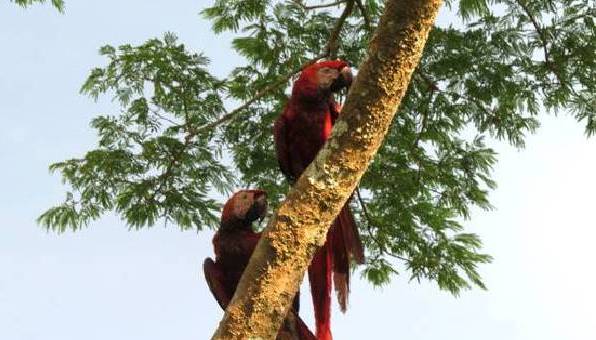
58 4
152 160
488 77
544 49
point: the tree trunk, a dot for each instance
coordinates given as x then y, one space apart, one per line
300 225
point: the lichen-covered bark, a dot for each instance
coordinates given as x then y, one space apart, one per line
277 266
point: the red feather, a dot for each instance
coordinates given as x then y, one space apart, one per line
234 244
300 132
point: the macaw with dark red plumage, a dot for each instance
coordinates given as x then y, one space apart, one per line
233 244
300 132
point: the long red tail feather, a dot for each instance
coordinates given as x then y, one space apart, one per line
346 246
341 265
342 245
319 275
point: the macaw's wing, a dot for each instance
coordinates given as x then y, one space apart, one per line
280 136
303 332
215 280
293 328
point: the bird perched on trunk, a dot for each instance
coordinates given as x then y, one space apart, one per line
233 245
300 132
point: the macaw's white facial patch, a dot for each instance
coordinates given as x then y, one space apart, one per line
326 76
243 200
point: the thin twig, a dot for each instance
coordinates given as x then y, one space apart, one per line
369 220
160 116
332 44
542 36
175 159
365 16
424 119
397 257
337 3
432 86
587 14
547 59
363 206
369 229
260 94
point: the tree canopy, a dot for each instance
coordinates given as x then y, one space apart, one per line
179 137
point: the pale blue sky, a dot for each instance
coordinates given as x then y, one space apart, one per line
108 283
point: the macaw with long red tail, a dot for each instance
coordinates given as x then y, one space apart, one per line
299 133
233 244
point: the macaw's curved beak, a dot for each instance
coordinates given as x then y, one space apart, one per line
344 79
258 209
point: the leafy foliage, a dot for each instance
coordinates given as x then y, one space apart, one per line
58 4
151 161
509 61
